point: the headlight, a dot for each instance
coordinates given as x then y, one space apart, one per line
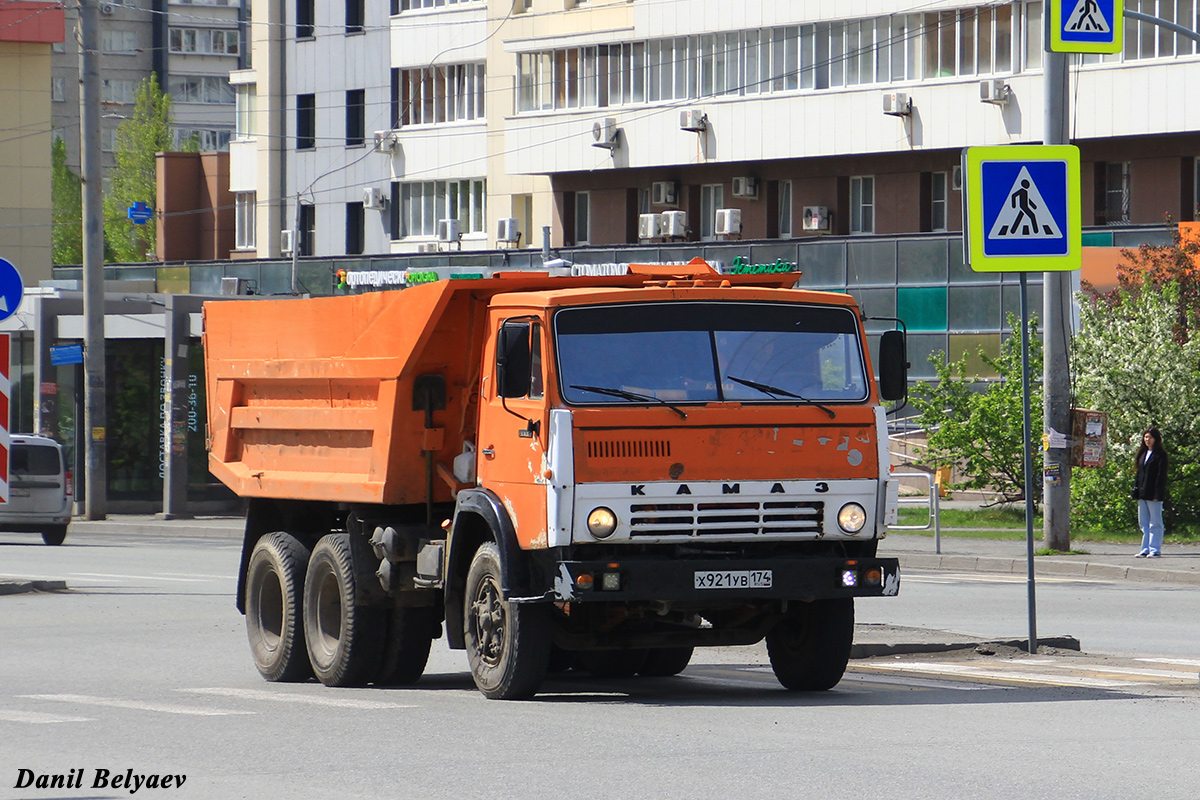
602 522
852 518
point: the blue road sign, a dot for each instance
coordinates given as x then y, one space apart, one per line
1024 208
12 289
1086 26
140 213
62 355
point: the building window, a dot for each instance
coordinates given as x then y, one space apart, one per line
355 228
449 93
305 19
862 204
245 228
108 140
113 90
356 117
207 89
1112 193
58 90
355 16
246 98
583 218
306 121
206 41
422 204
785 209
119 42
207 140
308 229
413 5
937 201
712 197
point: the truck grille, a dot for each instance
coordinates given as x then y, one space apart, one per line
644 448
738 517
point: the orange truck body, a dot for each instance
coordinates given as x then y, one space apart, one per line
318 408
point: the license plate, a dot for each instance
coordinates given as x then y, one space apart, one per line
734 579
18 493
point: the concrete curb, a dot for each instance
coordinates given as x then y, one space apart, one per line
869 650
22 587
1047 567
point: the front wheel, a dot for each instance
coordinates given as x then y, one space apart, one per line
274 597
55 534
344 639
508 644
810 647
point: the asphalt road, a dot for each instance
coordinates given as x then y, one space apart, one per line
143 666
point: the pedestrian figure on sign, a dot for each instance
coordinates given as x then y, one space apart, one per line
1020 200
1150 490
1086 21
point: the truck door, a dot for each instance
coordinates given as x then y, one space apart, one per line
513 426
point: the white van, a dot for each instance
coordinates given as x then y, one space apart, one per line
39 488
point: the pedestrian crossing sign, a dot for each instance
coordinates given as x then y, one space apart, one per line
1022 208
1086 26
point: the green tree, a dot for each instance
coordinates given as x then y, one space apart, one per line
979 427
139 138
1131 362
66 197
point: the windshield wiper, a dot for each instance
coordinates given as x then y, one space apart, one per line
775 391
628 396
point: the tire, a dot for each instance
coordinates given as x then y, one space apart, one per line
274 597
663 662
508 644
613 663
809 648
561 660
344 640
55 534
409 635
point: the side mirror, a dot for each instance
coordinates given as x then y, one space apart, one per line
513 360
893 366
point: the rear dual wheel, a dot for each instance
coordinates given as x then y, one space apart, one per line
274 598
345 640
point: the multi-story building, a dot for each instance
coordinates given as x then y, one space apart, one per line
190 45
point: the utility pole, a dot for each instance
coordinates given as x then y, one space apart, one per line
95 463
1056 300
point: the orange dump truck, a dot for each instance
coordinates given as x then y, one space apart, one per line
598 473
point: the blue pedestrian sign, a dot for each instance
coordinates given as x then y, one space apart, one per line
1022 206
1086 26
12 289
140 213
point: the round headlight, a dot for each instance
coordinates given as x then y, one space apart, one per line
601 523
852 518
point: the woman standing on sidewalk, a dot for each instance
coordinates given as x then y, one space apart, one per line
1150 490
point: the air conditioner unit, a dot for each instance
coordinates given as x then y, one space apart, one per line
816 218
448 230
693 119
897 104
507 231
386 141
662 193
649 226
427 247
729 222
956 178
605 133
234 286
373 197
673 224
994 91
745 187
107 9
287 241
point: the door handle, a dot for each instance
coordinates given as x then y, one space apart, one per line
488 452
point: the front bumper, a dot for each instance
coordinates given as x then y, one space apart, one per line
680 580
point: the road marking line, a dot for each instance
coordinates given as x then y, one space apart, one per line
137 705
965 671
38 718
136 577
288 697
1183 662
1149 674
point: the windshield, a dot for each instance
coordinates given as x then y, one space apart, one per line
709 352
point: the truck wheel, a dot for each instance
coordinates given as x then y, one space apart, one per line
274 596
508 644
406 651
663 662
343 639
809 647
56 534
613 663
